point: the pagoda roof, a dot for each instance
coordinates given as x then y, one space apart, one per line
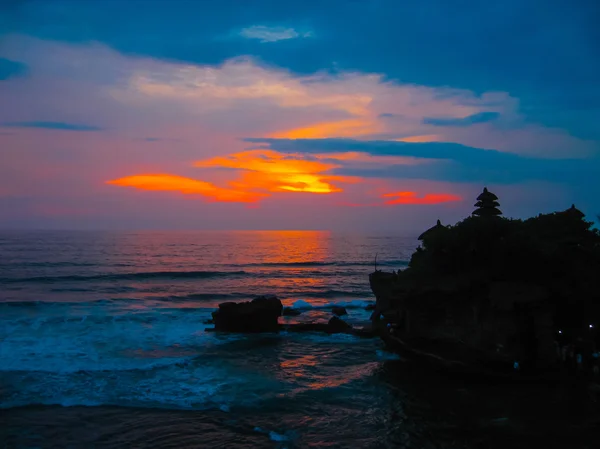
487 211
483 204
438 227
574 211
486 195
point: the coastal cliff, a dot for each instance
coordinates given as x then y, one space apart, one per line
492 290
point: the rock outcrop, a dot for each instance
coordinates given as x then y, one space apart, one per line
336 325
339 311
504 289
259 315
290 311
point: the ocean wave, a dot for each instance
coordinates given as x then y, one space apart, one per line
46 264
126 276
355 304
324 264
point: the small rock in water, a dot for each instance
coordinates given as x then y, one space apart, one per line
370 307
339 311
290 311
336 324
259 315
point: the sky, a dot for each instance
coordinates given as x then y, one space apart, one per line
331 114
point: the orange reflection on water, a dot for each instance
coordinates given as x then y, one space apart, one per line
346 376
297 366
294 246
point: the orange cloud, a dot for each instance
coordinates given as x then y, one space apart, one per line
276 172
420 139
261 172
357 156
187 186
412 198
267 161
344 128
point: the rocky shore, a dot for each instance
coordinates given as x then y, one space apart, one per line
262 315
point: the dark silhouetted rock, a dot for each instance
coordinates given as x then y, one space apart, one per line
290 311
339 311
489 282
336 325
259 315
370 307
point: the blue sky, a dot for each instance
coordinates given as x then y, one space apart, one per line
96 94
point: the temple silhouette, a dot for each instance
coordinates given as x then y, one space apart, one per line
496 293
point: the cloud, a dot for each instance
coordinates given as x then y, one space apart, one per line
186 186
478 46
481 117
11 69
387 144
413 198
51 125
260 174
272 34
241 96
445 161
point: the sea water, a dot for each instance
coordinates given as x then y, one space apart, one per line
103 343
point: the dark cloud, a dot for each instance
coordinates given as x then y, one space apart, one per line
11 69
481 117
449 162
51 125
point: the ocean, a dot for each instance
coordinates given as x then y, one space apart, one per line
103 344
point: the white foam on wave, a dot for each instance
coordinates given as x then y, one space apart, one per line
98 337
301 304
173 387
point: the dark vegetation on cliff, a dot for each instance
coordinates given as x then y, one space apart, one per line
558 251
503 285
558 246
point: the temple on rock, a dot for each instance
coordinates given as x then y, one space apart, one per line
439 227
489 291
487 204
